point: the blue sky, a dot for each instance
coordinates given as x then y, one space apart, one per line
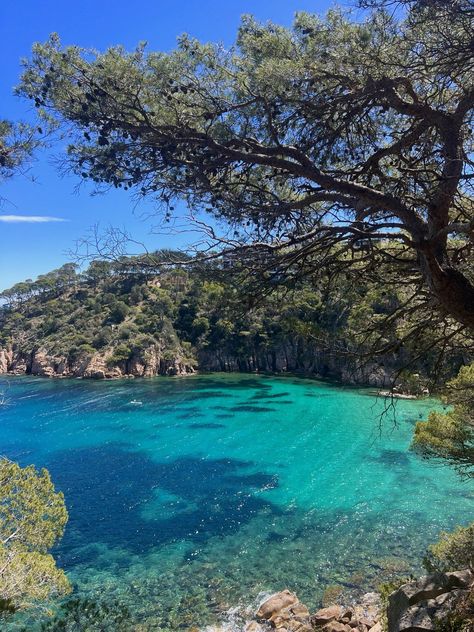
34 247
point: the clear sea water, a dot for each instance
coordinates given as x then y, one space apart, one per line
213 490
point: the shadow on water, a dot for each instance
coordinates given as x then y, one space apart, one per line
269 395
203 394
206 426
247 408
242 382
392 457
108 489
188 415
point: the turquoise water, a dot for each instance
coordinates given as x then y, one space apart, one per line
215 489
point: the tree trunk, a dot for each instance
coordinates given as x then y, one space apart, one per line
453 291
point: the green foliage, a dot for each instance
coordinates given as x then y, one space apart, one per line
118 312
32 518
85 349
453 551
17 144
200 313
451 435
121 354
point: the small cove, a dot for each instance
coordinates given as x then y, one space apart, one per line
216 488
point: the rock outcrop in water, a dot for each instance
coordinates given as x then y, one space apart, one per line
284 612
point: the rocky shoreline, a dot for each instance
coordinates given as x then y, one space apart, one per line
417 606
97 366
151 363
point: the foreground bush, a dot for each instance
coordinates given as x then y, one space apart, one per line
32 519
454 550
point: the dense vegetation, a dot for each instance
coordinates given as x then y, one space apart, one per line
199 317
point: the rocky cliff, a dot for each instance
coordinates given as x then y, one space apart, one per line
307 359
121 319
148 363
155 361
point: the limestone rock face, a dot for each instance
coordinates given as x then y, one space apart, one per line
44 363
94 367
6 357
19 365
336 626
461 579
41 365
427 614
136 367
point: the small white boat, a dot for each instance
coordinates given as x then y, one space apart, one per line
135 402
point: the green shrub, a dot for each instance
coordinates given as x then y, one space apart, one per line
102 338
128 331
32 519
81 350
453 551
121 354
118 312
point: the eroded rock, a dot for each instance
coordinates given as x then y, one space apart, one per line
274 604
6 357
285 613
326 615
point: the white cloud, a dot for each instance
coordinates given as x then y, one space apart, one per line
30 219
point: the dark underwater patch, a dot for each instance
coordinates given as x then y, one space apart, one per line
269 395
189 414
108 487
393 457
247 408
206 425
210 394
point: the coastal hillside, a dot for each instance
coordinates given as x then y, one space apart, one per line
129 318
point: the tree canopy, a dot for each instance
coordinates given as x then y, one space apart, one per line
334 145
32 518
17 144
